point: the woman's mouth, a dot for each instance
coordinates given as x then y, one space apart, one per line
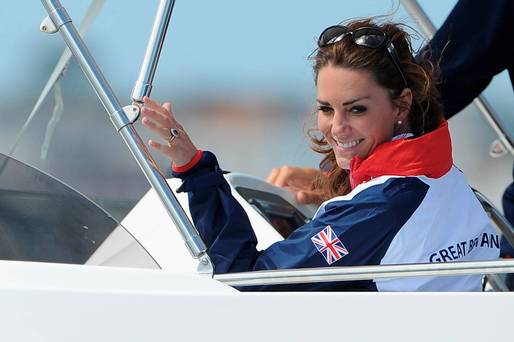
348 144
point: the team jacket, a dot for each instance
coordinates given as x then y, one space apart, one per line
409 204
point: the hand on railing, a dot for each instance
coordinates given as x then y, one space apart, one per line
161 120
298 180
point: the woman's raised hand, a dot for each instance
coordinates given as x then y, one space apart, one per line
160 120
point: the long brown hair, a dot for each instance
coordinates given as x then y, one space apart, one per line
425 113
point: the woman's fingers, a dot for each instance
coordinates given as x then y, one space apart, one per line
272 176
160 120
151 104
156 116
181 150
163 148
285 176
308 197
281 176
156 111
164 111
298 180
159 129
162 115
167 106
158 146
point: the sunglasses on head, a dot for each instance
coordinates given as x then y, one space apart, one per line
368 37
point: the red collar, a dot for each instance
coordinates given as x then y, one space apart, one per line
428 155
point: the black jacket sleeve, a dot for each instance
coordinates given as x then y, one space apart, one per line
473 45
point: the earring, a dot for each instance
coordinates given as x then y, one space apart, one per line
400 122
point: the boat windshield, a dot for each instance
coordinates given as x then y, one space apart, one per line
44 220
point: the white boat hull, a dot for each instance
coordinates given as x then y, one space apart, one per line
51 302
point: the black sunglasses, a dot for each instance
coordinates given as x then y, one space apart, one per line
369 37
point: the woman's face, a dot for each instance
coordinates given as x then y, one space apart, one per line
355 114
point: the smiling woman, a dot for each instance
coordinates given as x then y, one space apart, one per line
394 196
355 113
370 91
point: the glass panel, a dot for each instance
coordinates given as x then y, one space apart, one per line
42 219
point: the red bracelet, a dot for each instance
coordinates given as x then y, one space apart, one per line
188 166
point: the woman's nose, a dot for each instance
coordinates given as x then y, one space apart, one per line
340 123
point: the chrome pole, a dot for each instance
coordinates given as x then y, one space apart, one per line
119 116
143 85
497 217
428 29
332 274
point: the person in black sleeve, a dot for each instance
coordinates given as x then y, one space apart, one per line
472 46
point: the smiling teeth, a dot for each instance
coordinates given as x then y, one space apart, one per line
349 144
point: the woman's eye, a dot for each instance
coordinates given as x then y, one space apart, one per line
358 109
324 109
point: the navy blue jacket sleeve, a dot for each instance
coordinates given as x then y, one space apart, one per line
345 232
221 221
473 45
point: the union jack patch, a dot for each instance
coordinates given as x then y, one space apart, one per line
329 245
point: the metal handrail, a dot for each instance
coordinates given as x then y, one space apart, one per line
428 29
143 85
333 274
494 214
119 116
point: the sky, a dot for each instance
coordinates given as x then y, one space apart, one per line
219 43
250 54
227 47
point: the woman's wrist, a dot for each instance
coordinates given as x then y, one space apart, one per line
189 165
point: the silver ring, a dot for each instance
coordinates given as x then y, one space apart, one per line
173 135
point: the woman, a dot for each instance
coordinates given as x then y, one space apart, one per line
387 148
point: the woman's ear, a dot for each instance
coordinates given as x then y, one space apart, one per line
404 103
